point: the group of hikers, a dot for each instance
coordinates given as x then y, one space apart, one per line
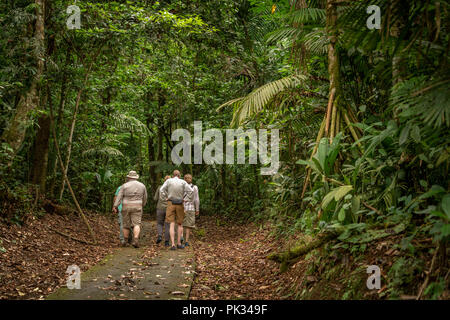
177 204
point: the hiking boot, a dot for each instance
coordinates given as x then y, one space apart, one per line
135 243
158 240
123 244
166 243
180 246
173 248
186 244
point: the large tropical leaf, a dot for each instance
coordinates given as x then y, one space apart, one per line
336 194
258 99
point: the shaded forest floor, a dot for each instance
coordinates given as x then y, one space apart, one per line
231 264
36 258
230 261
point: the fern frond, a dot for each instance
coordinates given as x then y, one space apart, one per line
124 121
108 151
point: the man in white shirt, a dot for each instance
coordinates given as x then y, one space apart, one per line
176 191
191 209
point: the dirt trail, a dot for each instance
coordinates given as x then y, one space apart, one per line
148 273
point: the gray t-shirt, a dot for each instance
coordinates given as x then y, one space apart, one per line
176 189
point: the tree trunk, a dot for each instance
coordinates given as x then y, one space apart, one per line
40 157
160 151
328 129
74 119
64 172
333 60
14 135
62 102
69 144
301 54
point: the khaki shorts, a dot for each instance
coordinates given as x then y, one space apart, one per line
174 213
131 216
189 219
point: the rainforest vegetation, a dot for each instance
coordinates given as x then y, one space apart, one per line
363 117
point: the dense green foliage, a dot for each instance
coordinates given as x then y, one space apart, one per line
138 70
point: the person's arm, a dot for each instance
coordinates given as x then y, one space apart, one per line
196 201
188 192
114 200
144 199
156 196
118 198
163 191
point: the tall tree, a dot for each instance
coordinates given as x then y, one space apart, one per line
14 135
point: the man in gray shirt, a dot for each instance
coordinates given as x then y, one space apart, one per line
133 196
175 191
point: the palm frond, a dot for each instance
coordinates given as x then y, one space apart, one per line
316 41
307 15
283 34
428 99
258 99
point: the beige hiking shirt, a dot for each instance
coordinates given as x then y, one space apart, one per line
132 194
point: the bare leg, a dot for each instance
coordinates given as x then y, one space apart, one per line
136 231
126 232
188 231
172 233
180 234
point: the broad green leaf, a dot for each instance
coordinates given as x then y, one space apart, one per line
333 152
309 163
342 191
446 205
415 133
341 215
445 230
356 202
435 189
336 194
322 151
404 134
328 198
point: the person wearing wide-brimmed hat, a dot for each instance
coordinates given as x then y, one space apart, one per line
133 196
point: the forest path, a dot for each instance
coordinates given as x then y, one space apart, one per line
148 273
